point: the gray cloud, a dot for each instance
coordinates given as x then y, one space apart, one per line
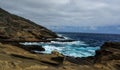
59 13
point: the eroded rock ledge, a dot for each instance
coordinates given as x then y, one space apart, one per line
13 57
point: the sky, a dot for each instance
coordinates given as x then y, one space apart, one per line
93 16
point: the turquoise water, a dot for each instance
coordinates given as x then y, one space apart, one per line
83 46
75 48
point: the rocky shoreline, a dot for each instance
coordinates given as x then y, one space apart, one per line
11 54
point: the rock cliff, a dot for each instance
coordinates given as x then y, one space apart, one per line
16 28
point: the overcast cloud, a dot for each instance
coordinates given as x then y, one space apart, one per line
57 14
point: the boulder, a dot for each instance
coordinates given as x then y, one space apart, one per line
54 52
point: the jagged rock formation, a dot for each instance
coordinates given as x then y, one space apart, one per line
108 52
15 28
107 58
12 57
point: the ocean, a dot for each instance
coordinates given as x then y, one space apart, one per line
84 44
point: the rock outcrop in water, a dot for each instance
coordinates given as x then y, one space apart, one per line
15 28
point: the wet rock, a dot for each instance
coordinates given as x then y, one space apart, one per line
33 48
4 37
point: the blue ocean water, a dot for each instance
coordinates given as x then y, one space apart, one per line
85 44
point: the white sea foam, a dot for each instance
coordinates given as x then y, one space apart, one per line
69 43
30 43
60 35
75 48
49 49
65 38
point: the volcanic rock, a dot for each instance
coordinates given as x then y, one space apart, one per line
16 28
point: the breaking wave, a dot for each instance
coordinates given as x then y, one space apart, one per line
74 48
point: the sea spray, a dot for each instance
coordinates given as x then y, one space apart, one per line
75 48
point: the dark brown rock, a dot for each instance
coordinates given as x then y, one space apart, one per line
109 51
32 48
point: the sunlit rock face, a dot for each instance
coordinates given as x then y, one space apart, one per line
13 27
